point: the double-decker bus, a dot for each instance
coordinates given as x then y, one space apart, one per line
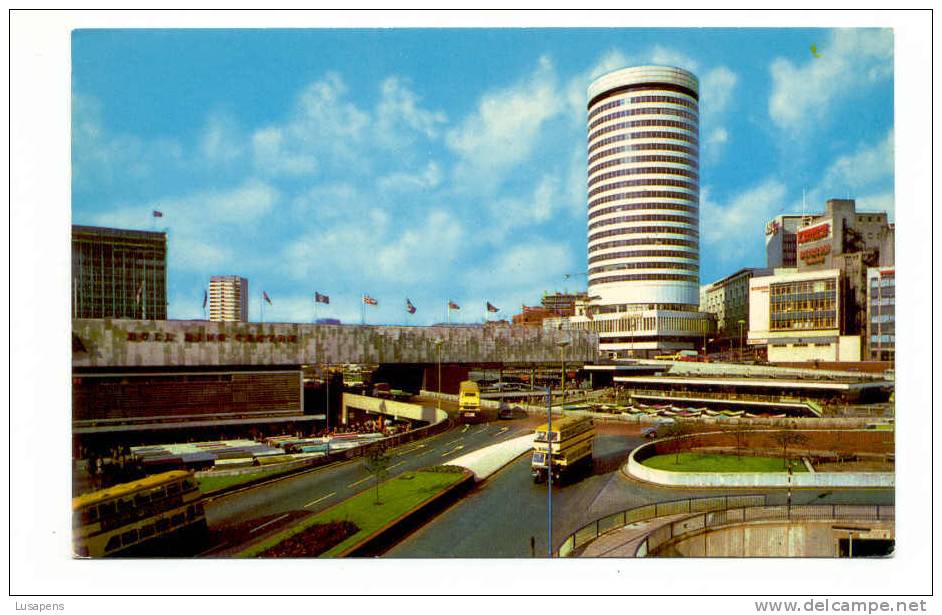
469 402
568 445
128 518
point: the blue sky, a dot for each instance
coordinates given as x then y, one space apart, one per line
445 164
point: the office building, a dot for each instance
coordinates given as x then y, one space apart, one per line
800 316
781 245
228 298
643 212
562 304
118 273
881 314
728 300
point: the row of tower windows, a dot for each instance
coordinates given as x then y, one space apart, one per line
646 241
643 218
641 254
647 134
641 124
677 230
644 171
635 206
643 99
649 265
644 194
645 158
644 111
642 147
632 183
639 277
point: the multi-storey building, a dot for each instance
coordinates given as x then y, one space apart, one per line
728 300
643 212
228 298
781 246
562 304
799 316
881 314
118 273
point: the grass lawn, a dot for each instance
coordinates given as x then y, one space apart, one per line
397 496
703 462
213 483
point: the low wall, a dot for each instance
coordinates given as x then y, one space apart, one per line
486 461
863 440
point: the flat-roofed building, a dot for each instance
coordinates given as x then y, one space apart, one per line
799 317
728 300
881 314
118 273
228 298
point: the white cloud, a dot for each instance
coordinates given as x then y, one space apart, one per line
506 128
427 178
664 56
805 95
220 142
271 157
869 165
524 269
399 109
728 227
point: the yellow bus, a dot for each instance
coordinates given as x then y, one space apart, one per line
568 446
469 402
126 517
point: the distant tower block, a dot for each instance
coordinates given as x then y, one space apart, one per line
228 298
644 186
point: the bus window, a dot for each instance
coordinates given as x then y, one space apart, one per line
90 515
156 494
177 519
141 500
129 537
190 512
173 489
125 505
107 509
163 525
147 531
113 543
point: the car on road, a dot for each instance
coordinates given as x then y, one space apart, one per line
506 411
660 426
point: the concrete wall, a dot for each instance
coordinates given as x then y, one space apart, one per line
393 408
178 343
856 441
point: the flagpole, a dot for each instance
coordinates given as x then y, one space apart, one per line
448 311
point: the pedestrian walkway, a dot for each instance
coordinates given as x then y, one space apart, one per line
625 541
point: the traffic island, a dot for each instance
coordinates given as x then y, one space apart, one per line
404 503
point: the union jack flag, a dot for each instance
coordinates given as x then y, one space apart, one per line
453 306
370 300
409 307
266 297
492 308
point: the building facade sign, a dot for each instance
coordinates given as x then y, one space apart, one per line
814 255
814 233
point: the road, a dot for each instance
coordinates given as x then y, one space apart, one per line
501 515
261 510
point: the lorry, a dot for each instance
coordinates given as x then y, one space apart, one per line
561 450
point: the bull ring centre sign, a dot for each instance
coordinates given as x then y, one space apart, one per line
199 337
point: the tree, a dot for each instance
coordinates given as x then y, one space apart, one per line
788 437
681 439
376 460
740 433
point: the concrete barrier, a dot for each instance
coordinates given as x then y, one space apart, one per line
636 469
486 461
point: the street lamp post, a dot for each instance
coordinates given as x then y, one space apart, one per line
549 444
741 323
438 342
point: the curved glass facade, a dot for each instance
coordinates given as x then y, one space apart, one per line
643 143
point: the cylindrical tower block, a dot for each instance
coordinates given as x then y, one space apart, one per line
643 188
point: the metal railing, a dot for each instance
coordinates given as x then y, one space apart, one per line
771 399
657 539
616 521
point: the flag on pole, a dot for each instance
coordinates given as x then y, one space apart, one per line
492 308
266 297
205 297
453 306
409 307
319 298
369 300
158 214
